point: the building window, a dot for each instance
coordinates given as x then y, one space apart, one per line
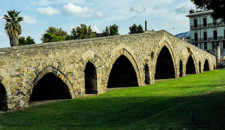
205 36
223 44
205 46
224 34
204 22
214 21
196 44
213 45
195 23
196 36
215 35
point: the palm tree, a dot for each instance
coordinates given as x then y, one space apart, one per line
13 27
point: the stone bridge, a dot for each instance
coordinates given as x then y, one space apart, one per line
71 69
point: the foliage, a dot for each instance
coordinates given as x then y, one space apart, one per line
191 11
167 102
49 37
136 29
26 41
82 32
218 6
106 32
54 34
13 27
111 30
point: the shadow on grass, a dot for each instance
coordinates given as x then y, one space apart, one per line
123 112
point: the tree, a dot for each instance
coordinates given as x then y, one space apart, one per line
82 32
140 29
111 30
136 29
54 34
13 27
114 30
49 37
26 41
218 6
106 31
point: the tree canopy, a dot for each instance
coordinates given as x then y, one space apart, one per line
54 34
111 30
13 27
82 32
26 41
136 29
218 6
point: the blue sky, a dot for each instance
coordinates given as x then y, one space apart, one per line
41 14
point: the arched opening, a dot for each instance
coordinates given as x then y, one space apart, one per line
181 69
147 74
164 65
50 87
200 67
190 67
206 65
122 74
90 79
3 100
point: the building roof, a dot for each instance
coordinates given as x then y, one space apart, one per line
200 13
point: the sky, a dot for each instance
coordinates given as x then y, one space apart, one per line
38 15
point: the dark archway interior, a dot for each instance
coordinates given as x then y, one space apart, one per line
122 74
181 69
200 68
147 75
3 101
90 79
50 87
206 65
190 68
164 65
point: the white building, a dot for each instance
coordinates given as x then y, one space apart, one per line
207 33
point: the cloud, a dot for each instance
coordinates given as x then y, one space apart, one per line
80 11
48 11
41 2
182 10
138 9
95 29
2 34
132 13
29 20
48 2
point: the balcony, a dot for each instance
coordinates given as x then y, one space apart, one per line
209 25
216 39
203 39
222 38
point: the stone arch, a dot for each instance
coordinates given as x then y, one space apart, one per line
3 98
181 69
56 73
200 67
147 74
90 79
5 90
190 66
165 63
206 65
129 54
122 73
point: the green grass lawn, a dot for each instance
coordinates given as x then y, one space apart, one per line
165 105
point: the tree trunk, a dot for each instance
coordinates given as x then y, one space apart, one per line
14 40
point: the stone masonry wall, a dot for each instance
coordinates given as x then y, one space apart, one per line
22 67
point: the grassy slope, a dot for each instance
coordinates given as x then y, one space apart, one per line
165 105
